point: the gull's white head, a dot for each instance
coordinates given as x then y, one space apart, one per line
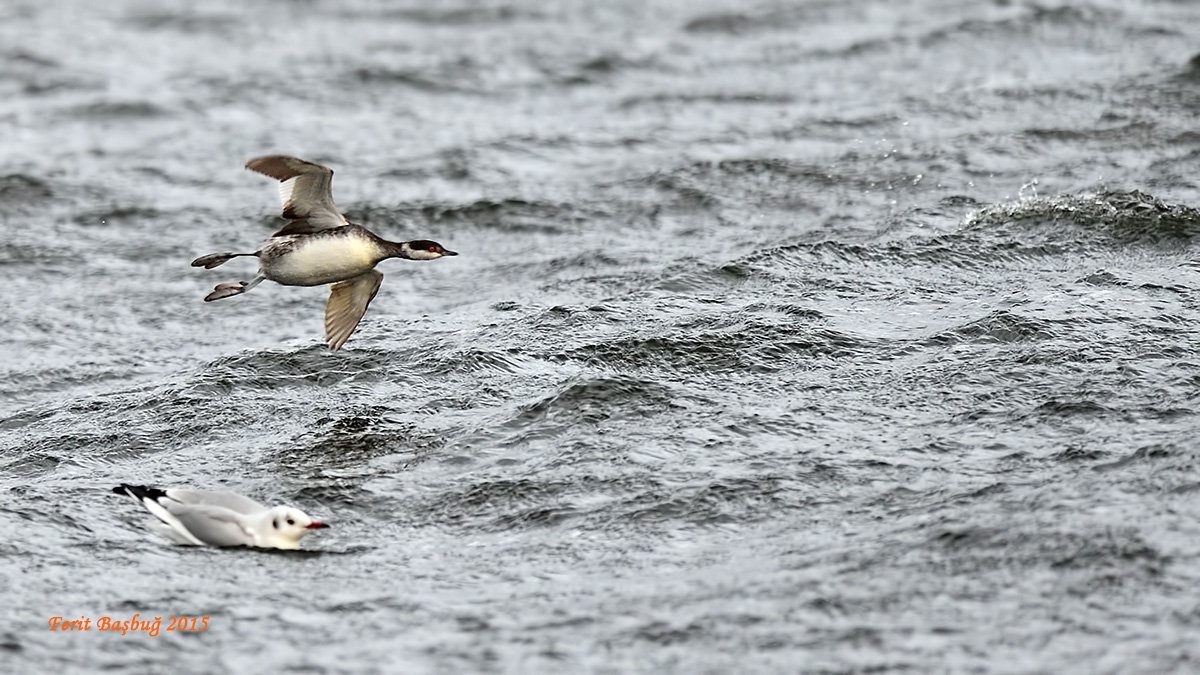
284 526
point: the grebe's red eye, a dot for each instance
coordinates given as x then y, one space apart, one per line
433 249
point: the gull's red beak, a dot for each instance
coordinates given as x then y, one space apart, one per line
316 526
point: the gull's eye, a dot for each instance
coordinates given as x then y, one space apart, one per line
275 524
291 522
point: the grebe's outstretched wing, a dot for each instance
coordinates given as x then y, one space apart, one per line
306 191
347 303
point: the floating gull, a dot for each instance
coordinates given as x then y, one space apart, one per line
210 518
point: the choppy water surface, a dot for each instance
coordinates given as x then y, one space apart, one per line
832 336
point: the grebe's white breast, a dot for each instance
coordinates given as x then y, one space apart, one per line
319 258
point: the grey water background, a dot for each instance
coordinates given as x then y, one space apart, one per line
835 336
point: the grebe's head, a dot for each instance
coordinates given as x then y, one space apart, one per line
423 249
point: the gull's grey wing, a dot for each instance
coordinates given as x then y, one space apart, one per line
221 498
212 525
306 190
347 303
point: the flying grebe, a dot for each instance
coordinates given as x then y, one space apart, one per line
319 246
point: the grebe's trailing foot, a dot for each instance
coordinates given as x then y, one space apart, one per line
233 288
214 259
318 245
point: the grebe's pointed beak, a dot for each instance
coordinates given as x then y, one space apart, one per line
446 252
